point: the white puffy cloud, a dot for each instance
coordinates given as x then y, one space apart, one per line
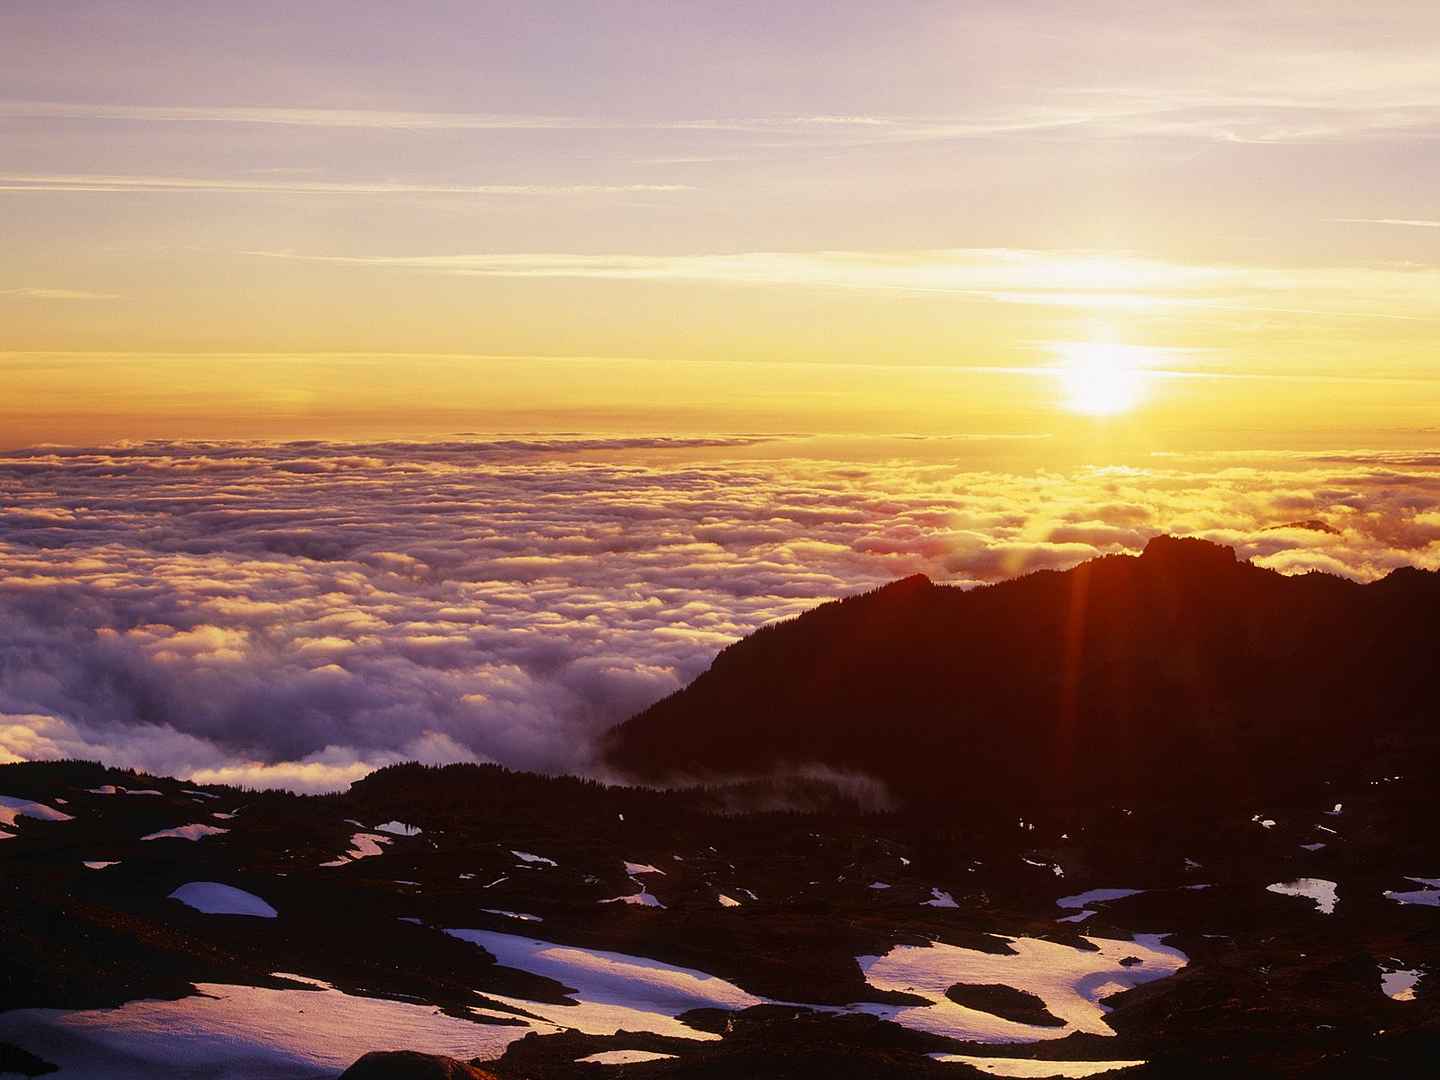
296 614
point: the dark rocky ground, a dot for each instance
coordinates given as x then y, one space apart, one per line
1273 987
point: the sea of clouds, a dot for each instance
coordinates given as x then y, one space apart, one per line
296 614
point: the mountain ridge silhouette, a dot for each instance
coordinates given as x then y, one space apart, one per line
1183 672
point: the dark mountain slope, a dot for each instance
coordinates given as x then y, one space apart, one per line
1124 678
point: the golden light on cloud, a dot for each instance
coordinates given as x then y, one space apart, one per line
1101 378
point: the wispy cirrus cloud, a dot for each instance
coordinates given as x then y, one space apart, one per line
1078 279
1415 223
35 293
1301 112
84 182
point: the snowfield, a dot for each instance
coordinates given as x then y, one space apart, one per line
243 1033
1071 982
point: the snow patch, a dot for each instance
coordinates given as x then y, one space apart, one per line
533 859
213 898
614 990
362 846
243 1032
1070 981
643 898
1429 897
1398 982
622 1057
522 916
1096 896
187 832
940 898
1028 1067
399 828
1319 890
12 808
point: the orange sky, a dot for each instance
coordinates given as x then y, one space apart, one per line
1166 225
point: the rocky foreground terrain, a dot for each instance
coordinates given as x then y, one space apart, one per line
957 919
408 914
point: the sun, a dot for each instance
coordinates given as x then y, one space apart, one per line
1102 379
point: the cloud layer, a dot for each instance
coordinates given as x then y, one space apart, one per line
296 614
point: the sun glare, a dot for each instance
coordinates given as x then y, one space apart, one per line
1102 379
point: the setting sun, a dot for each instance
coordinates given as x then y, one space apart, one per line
1102 379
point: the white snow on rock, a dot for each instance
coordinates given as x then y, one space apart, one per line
1398 982
614 990
1028 1067
522 916
213 898
1428 897
1313 847
622 1057
641 868
533 859
243 1033
1318 890
728 901
399 828
940 898
111 789
12 808
199 794
644 898
186 832
1070 981
1095 896
98 864
877 885
362 846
